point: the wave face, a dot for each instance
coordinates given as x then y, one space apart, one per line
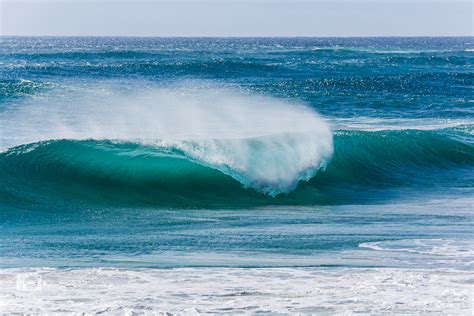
365 165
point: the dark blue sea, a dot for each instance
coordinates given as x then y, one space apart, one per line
144 153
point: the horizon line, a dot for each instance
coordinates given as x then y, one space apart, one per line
247 36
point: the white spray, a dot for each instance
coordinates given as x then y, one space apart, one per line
263 142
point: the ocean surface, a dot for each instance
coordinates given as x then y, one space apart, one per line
327 159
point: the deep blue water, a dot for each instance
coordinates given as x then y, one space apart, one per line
236 152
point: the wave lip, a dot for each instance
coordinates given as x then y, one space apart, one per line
271 164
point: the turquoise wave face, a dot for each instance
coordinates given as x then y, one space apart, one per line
365 167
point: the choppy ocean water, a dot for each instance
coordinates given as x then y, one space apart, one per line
352 157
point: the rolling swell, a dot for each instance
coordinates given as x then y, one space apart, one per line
364 166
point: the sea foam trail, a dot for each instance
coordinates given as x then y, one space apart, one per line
263 142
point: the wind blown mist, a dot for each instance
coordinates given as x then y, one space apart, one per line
262 142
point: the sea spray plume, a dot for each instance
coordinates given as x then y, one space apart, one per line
264 143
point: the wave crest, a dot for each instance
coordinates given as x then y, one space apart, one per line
264 143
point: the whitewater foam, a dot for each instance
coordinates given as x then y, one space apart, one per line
439 247
263 142
236 291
